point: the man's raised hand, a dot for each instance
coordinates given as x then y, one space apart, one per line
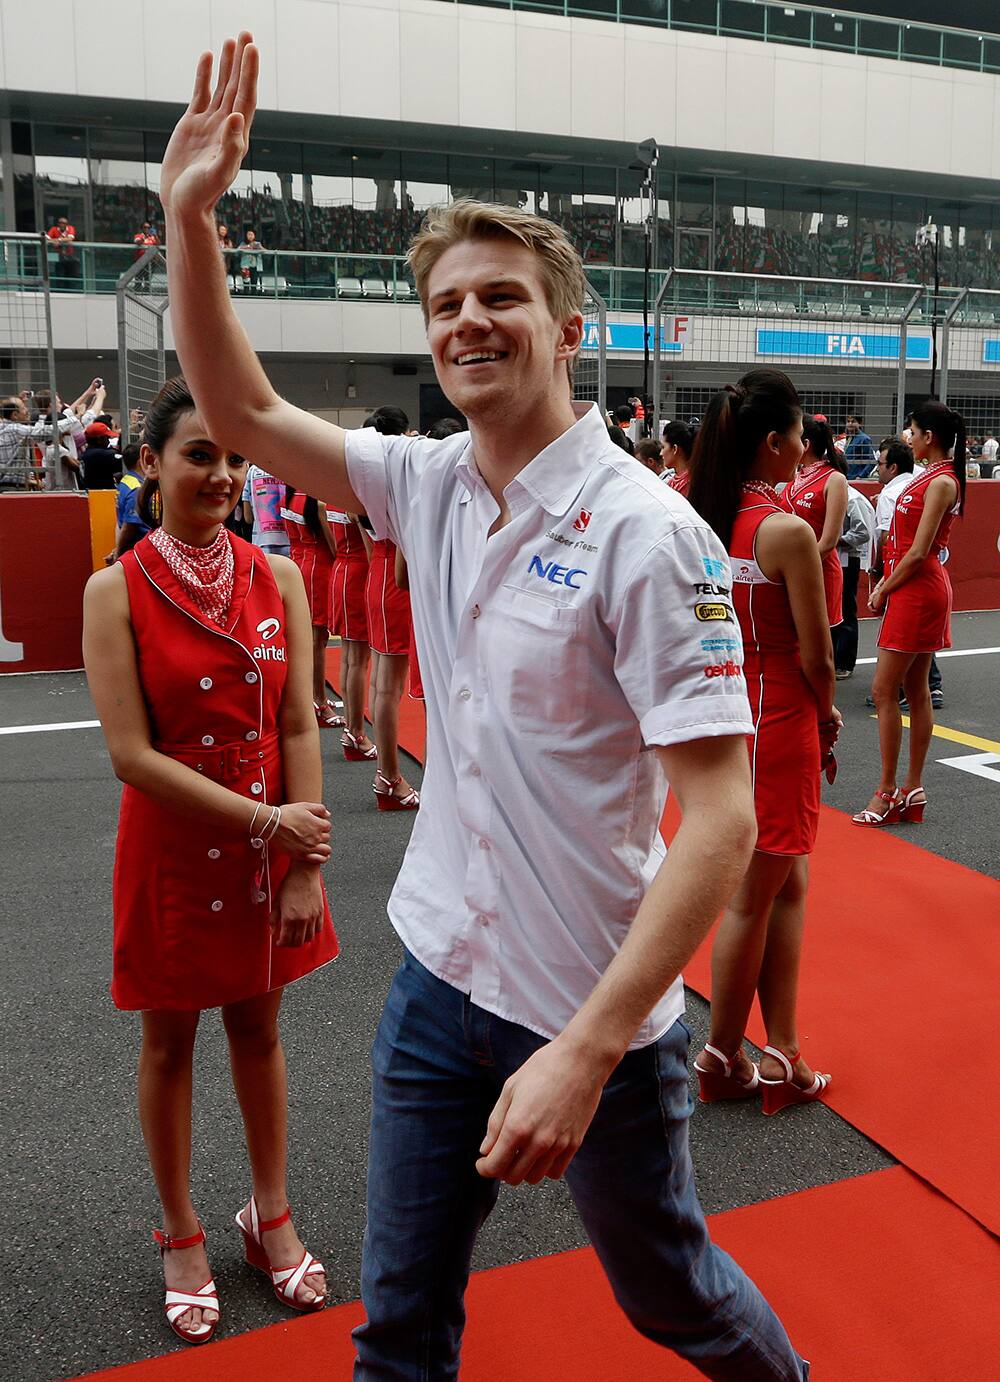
211 138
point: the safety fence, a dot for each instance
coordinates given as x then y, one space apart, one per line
590 374
27 360
858 350
142 301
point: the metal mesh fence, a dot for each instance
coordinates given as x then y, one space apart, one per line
970 350
590 375
853 349
142 303
27 359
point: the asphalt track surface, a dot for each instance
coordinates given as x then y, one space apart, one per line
81 1275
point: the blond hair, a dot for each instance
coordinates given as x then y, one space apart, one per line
559 266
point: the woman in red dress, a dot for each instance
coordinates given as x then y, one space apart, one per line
818 493
678 443
915 592
750 441
389 636
311 547
197 649
350 624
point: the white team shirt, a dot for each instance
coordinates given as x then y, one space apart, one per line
990 448
593 625
885 504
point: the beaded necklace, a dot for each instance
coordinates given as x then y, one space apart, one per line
761 487
206 573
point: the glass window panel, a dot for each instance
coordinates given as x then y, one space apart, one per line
699 15
730 224
835 31
797 228
61 176
121 200
742 17
655 11
838 249
597 232
376 197
991 54
277 193
878 38
327 192
631 218
921 45
425 184
874 236
963 50
907 215
694 201
785 24
599 9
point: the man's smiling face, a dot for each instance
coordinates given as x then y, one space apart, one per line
493 339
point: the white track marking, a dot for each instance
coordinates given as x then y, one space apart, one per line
980 764
945 652
44 729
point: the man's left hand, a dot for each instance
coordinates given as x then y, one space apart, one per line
541 1117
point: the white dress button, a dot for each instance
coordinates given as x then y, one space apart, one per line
465 694
251 677
216 906
260 897
256 788
250 735
207 740
215 853
256 843
206 683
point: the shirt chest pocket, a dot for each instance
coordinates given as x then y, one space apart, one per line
537 662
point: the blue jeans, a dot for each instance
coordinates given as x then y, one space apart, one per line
439 1063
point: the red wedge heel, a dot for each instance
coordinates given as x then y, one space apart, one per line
911 811
286 1281
890 816
779 1094
353 751
715 1086
385 796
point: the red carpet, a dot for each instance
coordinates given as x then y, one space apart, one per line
854 1270
898 995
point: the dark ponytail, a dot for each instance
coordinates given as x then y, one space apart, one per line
735 423
817 433
949 429
310 512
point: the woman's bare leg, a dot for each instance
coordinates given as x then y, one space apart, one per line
321 637
778 985
165 1084
390 679
890 674
921 718
737 955
356 668
258 1065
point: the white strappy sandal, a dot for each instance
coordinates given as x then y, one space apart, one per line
285 1280
715 1086
178 1303
780 1093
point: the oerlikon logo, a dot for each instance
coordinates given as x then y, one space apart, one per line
267 628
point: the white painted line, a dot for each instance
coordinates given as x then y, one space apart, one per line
945 652
43 729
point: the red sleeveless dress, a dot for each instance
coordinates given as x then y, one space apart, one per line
784 748
313 558
917 617
350 571
681 483
192 901
806 497
388 607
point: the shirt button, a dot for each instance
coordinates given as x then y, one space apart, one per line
217 906
484 844
475 611
250 677
475 770
256 788
483 921
250 736
215 853
206 683
465 694
207 740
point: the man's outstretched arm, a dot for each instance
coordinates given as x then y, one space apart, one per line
234 396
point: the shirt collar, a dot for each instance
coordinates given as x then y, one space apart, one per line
555 476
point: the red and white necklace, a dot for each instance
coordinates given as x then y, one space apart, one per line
206 573
761 487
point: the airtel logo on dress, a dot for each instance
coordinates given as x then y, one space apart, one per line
267 628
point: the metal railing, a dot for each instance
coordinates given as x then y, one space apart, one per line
773 21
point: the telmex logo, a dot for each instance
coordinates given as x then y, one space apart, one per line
267 628
558 575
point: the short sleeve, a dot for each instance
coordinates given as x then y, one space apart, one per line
679 651
376 467
129 507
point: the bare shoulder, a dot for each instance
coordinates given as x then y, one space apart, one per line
785 535
107 588
286 574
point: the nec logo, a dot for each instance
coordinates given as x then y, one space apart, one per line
558 575
581 523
